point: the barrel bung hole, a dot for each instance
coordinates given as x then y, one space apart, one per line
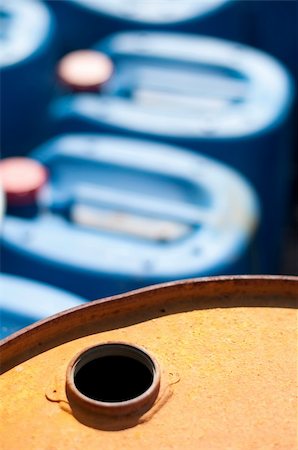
113 379
114 373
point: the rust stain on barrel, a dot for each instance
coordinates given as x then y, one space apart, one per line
227 348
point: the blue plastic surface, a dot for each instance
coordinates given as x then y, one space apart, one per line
23 302
226 100
2 206
27 55
119 214
98 18
274 29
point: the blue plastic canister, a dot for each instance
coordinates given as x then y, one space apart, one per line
118 214
23 302
2 206
274 29
27 54
226 100
83 22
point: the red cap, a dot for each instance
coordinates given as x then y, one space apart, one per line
85 70
21 179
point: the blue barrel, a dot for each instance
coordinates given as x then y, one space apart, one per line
23 302
226 100
117 214
83 22
27 63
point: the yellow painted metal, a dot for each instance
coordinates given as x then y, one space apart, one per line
227 349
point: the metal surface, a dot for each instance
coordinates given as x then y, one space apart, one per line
226 348
94 398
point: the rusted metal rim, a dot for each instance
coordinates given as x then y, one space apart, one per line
113 379
209 292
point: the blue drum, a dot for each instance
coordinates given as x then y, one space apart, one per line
116 214
83 22
23 302
223 99
26 62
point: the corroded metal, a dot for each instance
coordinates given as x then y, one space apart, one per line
226 348
138 404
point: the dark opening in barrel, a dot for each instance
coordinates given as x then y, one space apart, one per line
114 378
116 373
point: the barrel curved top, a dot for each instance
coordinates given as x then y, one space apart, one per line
26 27
208 363
254 291
148 12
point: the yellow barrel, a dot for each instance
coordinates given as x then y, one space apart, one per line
197 364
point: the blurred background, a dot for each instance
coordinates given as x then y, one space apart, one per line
143 141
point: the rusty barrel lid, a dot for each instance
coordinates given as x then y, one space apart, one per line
198 364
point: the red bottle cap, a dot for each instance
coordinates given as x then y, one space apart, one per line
85 70
21 179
